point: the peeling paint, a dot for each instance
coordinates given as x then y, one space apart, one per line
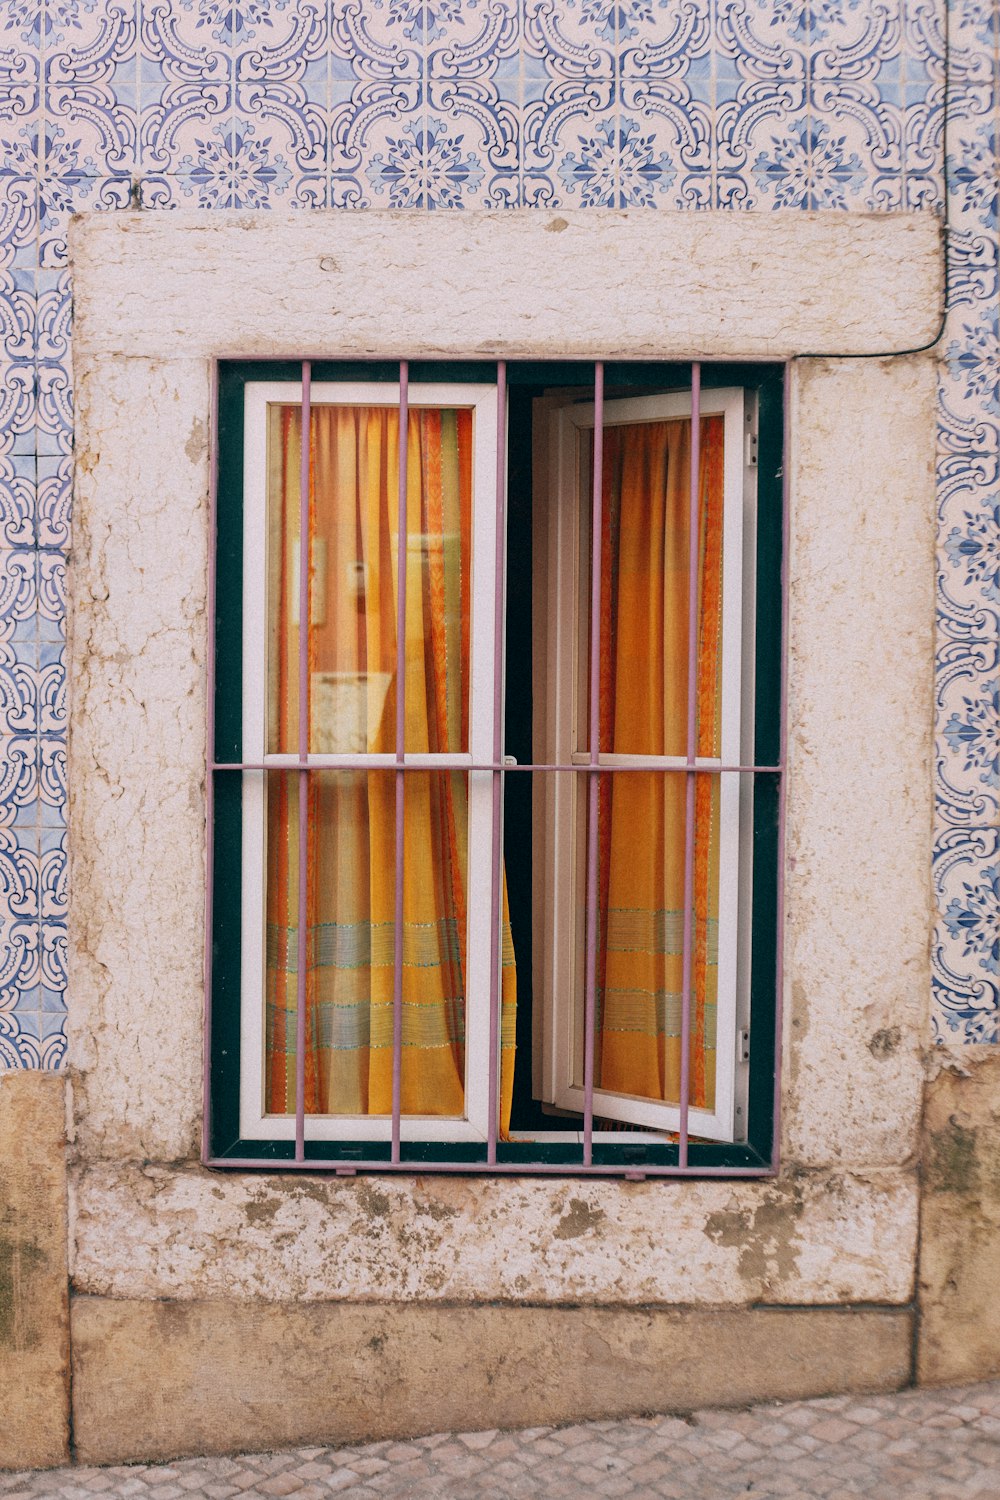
578 1219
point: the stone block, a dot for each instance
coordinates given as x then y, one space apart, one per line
159 1379
959 1336
34 1322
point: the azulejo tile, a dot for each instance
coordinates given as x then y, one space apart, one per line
54 364
51 596
60 198
661 42
387 39
17 313
969 549
767 40
19 192
187 41
857 146
472 42
470 146
973 38
570 146
18 593
665 141
974 173
966 948
19 787
18 500
90 86
176 124
52 781
286 44
18 406
241 163
19 686
376 158
575 41
968 748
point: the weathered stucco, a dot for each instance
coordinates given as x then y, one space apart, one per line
228 1373
34 1312
859 680
960 1222
840 1224
150 1231
517 283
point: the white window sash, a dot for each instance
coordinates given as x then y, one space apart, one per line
559 868
254 1122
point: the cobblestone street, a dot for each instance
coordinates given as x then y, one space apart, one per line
919 1445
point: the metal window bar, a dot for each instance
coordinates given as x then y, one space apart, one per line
305 765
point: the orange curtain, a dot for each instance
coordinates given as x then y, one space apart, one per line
643 711
352 710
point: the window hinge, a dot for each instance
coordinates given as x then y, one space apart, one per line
743 1044
751 450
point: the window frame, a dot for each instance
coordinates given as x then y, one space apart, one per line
228 1145
563 534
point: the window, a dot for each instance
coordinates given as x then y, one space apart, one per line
529 833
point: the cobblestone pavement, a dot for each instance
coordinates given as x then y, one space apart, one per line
919 1445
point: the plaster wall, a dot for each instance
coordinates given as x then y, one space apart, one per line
148 1222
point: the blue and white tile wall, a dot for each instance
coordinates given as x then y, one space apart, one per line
466 104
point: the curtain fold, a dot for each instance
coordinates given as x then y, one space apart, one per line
352 709
643 710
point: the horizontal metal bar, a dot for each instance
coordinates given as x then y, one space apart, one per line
361 763
509 1169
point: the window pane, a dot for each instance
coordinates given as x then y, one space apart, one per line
354 560
351 927
640 953
644 589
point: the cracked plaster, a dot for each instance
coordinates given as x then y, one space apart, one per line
859 809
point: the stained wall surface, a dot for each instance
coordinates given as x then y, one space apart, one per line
453 106
456 106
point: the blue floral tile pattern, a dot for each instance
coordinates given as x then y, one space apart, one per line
457 105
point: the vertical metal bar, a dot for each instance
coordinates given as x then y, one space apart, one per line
786 534
497 776
302 945
590 992
397 930
694 509
210 758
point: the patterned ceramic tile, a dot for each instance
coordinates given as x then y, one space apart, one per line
571 146
966 950
255 104
386 40
575 40
18 500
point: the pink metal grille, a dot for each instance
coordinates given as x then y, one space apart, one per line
499 769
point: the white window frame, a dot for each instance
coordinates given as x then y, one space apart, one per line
254 1121
562 522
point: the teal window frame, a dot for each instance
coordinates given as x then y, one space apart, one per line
224 1146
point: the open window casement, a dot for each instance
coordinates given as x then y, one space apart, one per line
643 686
486 1051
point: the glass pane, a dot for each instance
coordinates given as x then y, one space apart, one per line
351 926
354 526
641 936
644 590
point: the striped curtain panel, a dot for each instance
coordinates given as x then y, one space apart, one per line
643 711
352 710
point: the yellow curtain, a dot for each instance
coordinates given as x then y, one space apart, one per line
643 711
352 709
